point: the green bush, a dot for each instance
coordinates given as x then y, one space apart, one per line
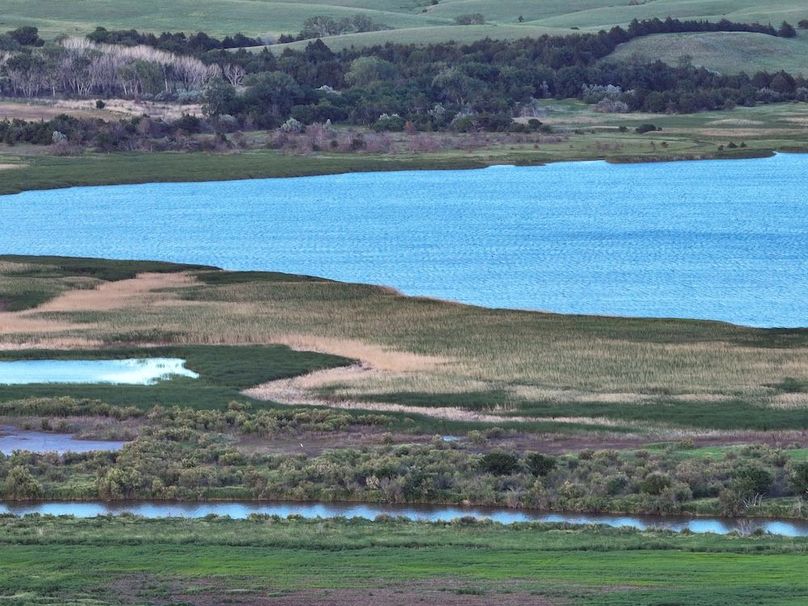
499 463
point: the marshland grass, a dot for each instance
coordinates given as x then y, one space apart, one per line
319 562
422 352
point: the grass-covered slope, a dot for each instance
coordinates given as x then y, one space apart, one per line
261 17
725 52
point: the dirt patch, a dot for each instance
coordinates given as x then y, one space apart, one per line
139 291
374 356
397 596
135 292
297 391
114 109
557 443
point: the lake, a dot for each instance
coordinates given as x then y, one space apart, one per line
236 510
723 240
133 371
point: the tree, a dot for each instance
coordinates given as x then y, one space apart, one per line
471 19
783 83
274 92
786 30
27 36
751 481
366 70
456 86
220 98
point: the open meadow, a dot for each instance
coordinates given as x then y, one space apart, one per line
419 20
266 561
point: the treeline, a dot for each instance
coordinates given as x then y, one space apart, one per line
485 84
176 42
70 135
649 27
320 26
449 86
77 67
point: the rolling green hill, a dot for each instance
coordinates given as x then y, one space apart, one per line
430 35
423 21
726 52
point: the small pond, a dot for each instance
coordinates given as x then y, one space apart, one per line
12 438
134 371
236 510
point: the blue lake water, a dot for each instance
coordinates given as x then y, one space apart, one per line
793 528
133 371
724 240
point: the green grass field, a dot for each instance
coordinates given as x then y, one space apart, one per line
726 52
125 561
262 17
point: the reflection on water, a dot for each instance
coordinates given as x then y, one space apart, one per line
12 439
134 371
419 513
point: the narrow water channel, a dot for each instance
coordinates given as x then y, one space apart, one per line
242 510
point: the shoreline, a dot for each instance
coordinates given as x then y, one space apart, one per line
16 180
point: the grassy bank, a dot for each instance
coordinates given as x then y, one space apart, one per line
579 134
325 562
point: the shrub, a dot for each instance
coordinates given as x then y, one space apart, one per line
799 479
647 128
655 483
749 481
21 485
539 464
470 19
499 463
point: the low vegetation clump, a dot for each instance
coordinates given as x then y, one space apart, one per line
187 454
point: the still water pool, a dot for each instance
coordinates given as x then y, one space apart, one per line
133 371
